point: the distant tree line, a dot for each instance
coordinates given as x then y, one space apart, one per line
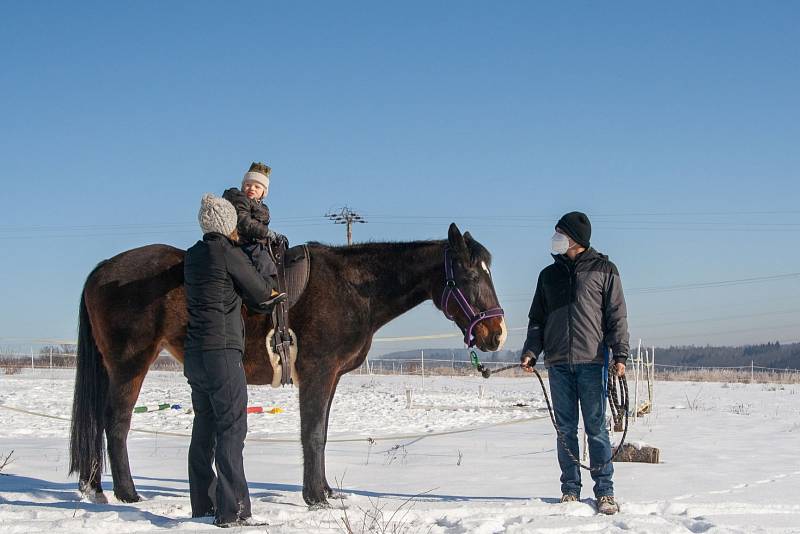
777 355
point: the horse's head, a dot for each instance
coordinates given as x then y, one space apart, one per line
468 296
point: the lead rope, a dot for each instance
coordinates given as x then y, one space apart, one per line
619 407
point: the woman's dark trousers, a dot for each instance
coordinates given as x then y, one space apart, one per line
219 400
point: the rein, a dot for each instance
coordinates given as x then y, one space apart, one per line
618 403
451 290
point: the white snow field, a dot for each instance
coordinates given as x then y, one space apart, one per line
453 463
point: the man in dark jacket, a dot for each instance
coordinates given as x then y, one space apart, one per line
217 277
578 315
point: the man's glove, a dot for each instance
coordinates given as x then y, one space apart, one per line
527 359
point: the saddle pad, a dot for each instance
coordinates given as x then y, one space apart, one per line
297 263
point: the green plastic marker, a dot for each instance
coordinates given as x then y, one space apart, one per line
153 408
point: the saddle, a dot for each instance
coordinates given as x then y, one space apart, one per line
294 266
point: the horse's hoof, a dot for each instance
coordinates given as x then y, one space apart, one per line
321 505
93 494
127 497
335 495
316 499
96 497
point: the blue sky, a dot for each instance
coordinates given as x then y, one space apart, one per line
674 126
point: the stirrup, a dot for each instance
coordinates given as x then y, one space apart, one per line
275 359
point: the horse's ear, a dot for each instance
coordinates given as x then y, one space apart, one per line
456 240
468 237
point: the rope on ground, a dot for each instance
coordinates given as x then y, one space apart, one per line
391 437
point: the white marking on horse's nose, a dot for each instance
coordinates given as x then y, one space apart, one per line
503 333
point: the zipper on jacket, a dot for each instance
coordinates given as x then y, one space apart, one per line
570 269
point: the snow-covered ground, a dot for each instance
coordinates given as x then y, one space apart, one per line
453 463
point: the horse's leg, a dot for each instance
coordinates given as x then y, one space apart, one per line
316 391
328 491
123 391
90 485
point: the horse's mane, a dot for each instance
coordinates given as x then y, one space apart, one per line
477 251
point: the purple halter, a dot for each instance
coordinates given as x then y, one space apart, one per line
451 290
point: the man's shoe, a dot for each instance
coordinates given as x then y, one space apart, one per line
607 505
569 497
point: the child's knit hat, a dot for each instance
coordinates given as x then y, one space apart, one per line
258 173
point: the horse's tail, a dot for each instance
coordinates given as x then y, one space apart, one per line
89 403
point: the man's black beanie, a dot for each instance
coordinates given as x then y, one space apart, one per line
577 226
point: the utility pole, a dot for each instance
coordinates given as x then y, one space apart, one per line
348 217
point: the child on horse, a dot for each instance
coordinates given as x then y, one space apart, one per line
253 220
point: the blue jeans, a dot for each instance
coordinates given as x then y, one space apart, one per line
581 384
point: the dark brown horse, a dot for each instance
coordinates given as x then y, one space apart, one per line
133 306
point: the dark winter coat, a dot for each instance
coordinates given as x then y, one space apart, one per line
217 276
253 215
578 310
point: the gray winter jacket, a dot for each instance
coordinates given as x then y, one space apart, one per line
578 310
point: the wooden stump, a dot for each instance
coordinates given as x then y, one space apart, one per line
645 454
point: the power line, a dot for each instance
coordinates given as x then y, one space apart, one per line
720 283
715 319
193 224
16 234
748 303
721 332
617 218
681 287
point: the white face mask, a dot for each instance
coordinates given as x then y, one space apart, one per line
559 243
